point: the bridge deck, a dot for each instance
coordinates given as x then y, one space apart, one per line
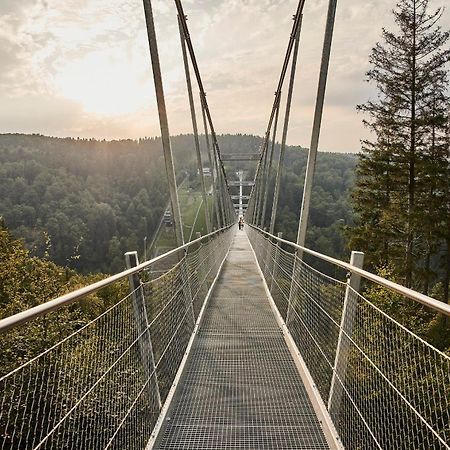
240 388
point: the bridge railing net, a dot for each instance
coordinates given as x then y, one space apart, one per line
384 387
102 387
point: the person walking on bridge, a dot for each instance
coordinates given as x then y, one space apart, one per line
241 223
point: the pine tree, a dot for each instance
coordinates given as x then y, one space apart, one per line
445 212
397 194
431 216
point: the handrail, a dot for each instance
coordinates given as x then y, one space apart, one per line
66 299
437 305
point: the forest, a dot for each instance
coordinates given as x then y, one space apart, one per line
84 203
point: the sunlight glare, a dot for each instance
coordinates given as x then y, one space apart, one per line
105 83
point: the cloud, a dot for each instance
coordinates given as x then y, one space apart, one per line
49 115
85 66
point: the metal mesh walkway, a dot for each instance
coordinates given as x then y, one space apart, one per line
240 388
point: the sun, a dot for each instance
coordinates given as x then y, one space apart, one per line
105 83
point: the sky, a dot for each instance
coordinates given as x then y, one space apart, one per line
82 68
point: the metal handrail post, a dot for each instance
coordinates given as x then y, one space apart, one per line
276 260
346 327
142 323
187 288
293 288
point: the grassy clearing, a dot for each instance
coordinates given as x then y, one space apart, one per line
200 224
190 201
166 238
192 214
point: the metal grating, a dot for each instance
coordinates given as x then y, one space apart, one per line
240 388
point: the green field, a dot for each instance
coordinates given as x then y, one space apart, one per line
192 214
200 224
190 202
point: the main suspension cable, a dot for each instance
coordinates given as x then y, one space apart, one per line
264 148
190 47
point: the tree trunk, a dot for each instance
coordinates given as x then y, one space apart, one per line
447 272
426 282
412 161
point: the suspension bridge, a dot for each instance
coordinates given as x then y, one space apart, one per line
243 343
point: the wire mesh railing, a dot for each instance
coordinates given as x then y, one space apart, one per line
103 386
384 386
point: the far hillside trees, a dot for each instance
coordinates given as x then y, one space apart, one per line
84 203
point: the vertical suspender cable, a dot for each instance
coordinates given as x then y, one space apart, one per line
219 186
258 183
269 169
190 48
164 124
255 194
312 156
287 57
194 127
212 165
263 178
285 129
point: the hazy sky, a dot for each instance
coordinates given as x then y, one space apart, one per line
82 67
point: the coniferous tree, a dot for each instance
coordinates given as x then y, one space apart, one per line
431 216
398 189
445 214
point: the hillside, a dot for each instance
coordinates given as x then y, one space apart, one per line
27 281
83 203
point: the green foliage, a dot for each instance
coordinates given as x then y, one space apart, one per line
421 320
402 195
84 203
330 208
72 343
27 281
